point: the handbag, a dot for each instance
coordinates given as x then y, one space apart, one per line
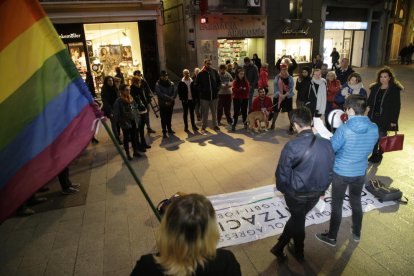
391 143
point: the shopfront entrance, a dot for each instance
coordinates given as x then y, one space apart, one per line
235 50
347 38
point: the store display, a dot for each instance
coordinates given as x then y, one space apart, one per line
299 49
232 49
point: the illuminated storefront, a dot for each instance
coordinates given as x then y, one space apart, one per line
348 39
300 49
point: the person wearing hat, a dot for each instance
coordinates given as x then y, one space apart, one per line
283 97
166 92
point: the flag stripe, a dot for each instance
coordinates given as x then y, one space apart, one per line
36 44
25 104
16 25
47 164
46 127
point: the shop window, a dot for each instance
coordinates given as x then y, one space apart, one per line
236 50
111 45
299 49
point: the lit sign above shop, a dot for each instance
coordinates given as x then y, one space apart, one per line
345 25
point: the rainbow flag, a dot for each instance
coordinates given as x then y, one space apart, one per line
46 110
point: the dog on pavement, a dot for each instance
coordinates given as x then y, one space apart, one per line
256 119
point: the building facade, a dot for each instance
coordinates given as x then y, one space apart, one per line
109 34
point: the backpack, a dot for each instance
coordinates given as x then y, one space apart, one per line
380 191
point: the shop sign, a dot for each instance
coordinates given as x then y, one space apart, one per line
233 29
345 25
70 36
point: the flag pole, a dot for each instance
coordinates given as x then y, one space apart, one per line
131 170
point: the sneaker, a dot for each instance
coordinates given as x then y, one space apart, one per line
75 185
150 130
280 255
323 237
195 128
216 128
70 191
298 255
355 237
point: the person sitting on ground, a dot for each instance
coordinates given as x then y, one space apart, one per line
262 102
187 242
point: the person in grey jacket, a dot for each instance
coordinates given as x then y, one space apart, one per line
352 143
166 92
303 174
252 76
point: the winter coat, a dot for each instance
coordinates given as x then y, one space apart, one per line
109 96
208 84
182 89
390 106
302 86
166 95
313 174
352 143
252 74
240 90
347 89
263 78
342 76
123 113
332 88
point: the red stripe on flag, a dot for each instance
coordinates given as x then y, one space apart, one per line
47 164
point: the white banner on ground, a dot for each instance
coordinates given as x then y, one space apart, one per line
259 213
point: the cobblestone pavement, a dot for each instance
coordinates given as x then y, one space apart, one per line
115 226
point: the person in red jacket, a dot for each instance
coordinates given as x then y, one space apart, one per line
264 78
332 88
240 91
262 102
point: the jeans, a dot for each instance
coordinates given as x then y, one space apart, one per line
188 106
295 226
205 106
339 185
224 104
239 105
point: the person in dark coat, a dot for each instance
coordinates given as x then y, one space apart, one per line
252 75
302 178
257 61
384 104
317 62
186 93
166 92
302 86
335 58
187 243
109 94
208 84
148 98
343 72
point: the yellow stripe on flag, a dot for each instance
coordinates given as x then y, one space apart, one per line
26 54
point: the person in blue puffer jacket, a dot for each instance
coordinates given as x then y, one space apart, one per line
352 143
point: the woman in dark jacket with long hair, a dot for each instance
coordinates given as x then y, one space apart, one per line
384 103
109 94
240 91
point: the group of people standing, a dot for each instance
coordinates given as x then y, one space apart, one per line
127 108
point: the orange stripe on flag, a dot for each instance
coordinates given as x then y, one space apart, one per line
16 16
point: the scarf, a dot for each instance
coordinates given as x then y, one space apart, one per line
351 89
320 95
128 99
283 88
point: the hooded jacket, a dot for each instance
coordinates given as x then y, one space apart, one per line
313 174
352 143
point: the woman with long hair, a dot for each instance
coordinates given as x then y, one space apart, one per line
240 90
124 114
353 86
109 94
187 241
384 103
140 99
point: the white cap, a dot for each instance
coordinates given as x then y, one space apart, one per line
334 118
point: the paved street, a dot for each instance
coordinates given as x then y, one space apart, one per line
116 226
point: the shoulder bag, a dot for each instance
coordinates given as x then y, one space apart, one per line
391 143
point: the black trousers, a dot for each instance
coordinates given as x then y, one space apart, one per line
166 117
141 131
64 180
188 106
240 106
130 135
295 226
